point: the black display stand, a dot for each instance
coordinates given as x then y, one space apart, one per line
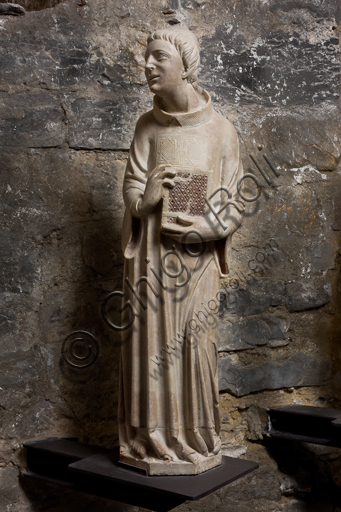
97 471
305 423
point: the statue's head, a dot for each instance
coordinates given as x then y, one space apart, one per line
186 45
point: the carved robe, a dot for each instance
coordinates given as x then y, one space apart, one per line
169 399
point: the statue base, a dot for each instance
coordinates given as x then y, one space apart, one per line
97 471
159 467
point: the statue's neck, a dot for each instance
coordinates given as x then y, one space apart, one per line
182 100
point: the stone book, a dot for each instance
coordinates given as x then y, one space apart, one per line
187 197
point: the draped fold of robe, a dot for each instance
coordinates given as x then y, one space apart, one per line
169 399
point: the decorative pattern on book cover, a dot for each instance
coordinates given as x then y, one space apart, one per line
193 181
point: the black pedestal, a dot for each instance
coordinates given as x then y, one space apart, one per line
319 425
97 471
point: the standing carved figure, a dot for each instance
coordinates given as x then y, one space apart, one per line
183 168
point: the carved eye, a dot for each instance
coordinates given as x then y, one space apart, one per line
161 56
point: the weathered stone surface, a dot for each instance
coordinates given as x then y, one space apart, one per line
257 422
311 143
49 50
102 123
303 295
17 262
265 260
322 255
253 298
297 370
12 495
337 211
49 64
258 491
16 367
243 335
11 10
37 5
33 120
263 484
278 327
251 332
278 68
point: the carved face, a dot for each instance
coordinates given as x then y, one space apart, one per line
164 67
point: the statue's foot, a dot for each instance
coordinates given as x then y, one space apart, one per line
137 448
193 457
217 445
185 452
166 457
201 446
159 445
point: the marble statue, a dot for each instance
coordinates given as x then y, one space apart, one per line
182 206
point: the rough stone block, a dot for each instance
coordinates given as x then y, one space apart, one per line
337 211
37 5
12 496
296 142
299 369
304 295
267 71
32 119
253 298
17 369
251 332
262 485
322 256
11 9
17 262
101 123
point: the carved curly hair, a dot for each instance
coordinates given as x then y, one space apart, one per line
186 45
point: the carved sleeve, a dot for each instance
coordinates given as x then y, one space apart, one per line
133 189
231 174
136 171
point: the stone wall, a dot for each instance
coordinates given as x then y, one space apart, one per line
71 89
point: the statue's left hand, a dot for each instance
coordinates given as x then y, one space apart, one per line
194 228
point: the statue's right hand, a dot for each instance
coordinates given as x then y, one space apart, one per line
160 177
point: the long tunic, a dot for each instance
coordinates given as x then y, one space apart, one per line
169 399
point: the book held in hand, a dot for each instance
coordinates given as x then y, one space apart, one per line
187 197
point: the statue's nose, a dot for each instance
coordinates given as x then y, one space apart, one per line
149 64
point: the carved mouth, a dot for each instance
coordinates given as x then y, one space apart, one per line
153 77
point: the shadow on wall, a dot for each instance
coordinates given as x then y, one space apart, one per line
92 389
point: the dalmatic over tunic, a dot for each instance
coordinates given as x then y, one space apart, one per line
169 399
